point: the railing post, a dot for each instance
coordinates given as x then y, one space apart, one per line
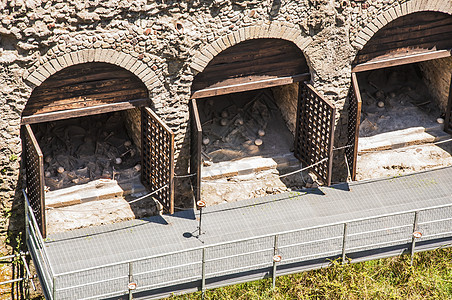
53 287
131 285
275 260
344 242
413 238
203 273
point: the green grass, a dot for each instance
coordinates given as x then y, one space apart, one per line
430 277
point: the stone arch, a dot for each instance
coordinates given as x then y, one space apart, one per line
405 8
140 69
277 30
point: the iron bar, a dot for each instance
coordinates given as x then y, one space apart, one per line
380 244
378 230
12 280
169 268
310 242
275 252
130 281
203 272
434 221
238 255
28 277
344 242
413 238
238 269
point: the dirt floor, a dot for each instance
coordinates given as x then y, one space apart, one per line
400 121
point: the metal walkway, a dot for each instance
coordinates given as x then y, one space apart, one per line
364 220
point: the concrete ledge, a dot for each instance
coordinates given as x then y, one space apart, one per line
91 191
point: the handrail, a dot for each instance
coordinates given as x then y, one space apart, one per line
253 238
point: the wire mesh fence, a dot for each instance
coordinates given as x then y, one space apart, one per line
210 265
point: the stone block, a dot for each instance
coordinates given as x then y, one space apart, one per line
398 11
91 53
247 32
140 69
392 14
135 66
98 54
231 39
237 37
43 71
62 62
216 47
242 35
367 31
410 6
34 80
74 58
403 8
48 66
211 51
55 64
130 63
125 61
373 28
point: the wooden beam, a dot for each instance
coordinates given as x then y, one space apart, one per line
85 111
403 60
249 86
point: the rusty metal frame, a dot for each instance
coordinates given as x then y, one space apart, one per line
34 166
195 149
314 134
448 119
354 119
157 158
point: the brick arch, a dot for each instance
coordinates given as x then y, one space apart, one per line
405 8
126 61
276 30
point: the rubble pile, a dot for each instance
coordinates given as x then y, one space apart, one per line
395 99
80 150
243 125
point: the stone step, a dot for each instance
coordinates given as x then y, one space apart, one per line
395 139
92 191
248 165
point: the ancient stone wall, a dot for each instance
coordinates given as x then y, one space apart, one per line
165 43
437 76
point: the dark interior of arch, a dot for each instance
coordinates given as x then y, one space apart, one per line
85 85
252 60
414 33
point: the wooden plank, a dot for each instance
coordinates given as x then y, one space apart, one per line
357 94
80 112
448 118
249 86
397 61
416 32
252 60
195 149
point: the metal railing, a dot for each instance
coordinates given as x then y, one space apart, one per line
260 256
37 250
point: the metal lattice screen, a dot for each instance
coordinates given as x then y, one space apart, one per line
34 167
195 150
157 170
448 120
354 118
315 132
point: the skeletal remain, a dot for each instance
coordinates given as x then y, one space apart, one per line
224 114
48 159
137 168
440 120
127 143
381 104
239 121
118 160
60 170
258 142
224 122
47 174
261 132
205 141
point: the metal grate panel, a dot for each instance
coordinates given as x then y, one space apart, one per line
35 176
195 150
354 118
315 132
157 170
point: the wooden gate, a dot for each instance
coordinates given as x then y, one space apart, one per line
315 132
195 150
354 119
448 120
157 159
34 167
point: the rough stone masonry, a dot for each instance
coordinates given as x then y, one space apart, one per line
165 43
